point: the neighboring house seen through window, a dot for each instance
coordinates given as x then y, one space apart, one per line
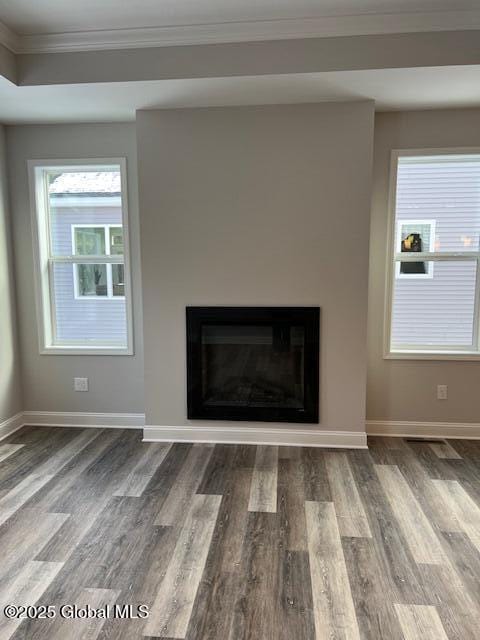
434 286
414 236
81 232
98 280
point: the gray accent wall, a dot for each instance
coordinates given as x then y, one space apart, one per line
10 384
223 60
406 389
8 64
256 206
239 206
116 382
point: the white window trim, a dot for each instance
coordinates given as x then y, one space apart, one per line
109 297
398 249
419 353
42 267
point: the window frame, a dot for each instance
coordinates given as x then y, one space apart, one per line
43 266
393 258
106 227
415 276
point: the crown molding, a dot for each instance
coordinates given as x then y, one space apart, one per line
249 31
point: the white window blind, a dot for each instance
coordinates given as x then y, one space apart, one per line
434 294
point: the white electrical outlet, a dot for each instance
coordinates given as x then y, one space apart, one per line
442 392
80 384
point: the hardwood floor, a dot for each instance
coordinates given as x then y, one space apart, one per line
233 542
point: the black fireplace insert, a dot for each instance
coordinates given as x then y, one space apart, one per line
253 363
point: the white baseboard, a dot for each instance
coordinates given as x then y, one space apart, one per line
10 425
256 435
242 435
84 419
404 429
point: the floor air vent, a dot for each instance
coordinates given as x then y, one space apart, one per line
426 440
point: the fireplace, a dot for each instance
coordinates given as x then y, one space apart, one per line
253 363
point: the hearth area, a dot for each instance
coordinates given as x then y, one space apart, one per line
253 363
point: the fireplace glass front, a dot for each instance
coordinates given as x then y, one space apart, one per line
253 363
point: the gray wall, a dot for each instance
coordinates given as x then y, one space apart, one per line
10 388
256 206
222 60
406 389
116 382
8 64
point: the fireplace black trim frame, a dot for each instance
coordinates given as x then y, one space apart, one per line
308 317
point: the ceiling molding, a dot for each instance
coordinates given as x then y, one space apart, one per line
371 24
9 38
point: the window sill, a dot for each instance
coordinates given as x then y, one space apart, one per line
432 355
86 351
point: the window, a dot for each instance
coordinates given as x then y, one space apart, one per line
81 251
96 280
414 236
434 286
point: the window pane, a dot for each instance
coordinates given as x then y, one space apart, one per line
435 311
83 303
91 279
445 191
90 198
116 241
85 320
89 241
414 236
253 366
118 279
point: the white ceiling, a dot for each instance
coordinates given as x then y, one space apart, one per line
59 16
65 25
70 25
420 88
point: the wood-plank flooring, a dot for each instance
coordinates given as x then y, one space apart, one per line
237 542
